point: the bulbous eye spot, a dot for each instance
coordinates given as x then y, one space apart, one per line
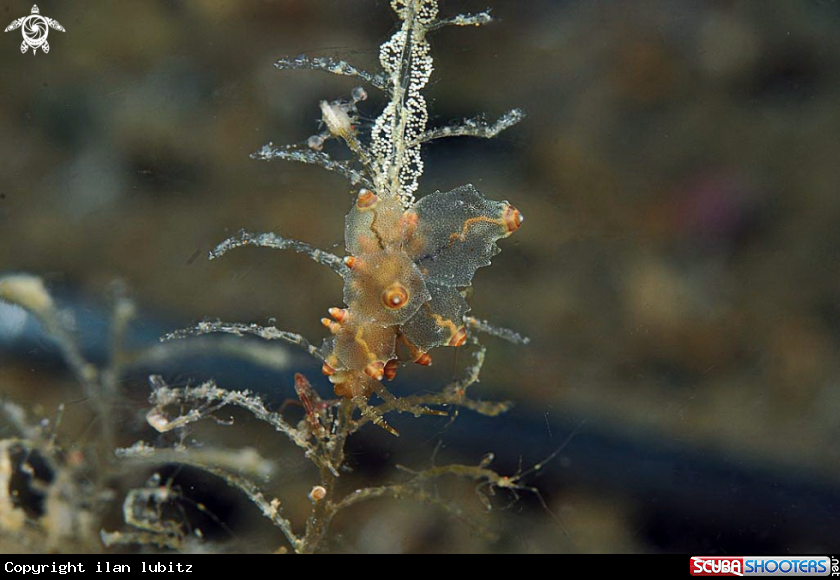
513 218
395 296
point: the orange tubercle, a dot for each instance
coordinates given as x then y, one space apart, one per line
459 337
349 261
395 296
375 370
332 325
424 359
367 199
327 369
513 218
408 222
391 369
339 314
409 218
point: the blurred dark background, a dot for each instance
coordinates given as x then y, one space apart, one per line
677 271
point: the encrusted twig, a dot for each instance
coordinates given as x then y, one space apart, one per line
473 128
330 65
477 19
207 398
241 329
269 240
304 154
271 509
454 395
497 331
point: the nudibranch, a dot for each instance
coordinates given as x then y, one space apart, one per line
403 288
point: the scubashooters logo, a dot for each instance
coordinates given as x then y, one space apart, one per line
35 29
763 566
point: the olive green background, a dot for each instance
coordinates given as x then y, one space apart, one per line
677 270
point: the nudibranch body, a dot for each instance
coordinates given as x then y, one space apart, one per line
403 288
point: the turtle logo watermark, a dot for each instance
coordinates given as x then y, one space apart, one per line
35 29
